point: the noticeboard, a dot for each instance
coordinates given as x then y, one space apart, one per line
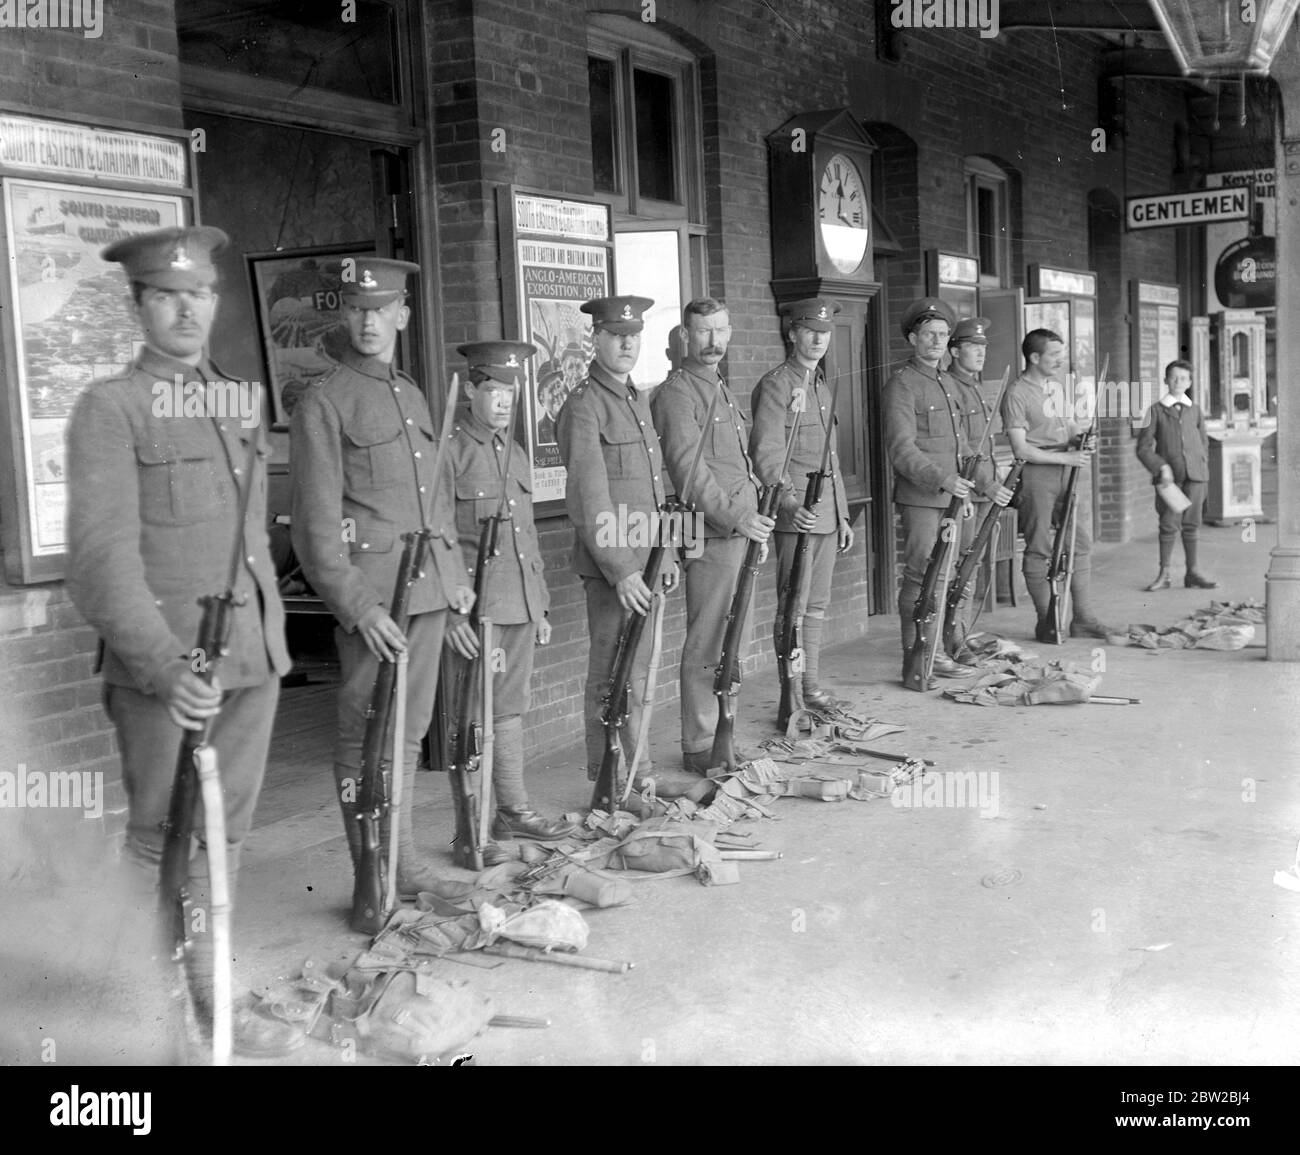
67 191
556 253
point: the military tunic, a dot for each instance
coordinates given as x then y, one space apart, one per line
363 451
616 481
773 419
152 504
724 491
515 597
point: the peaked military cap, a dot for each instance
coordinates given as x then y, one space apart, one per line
973 329
816 313
170 258
378 281
501 360
618 314
927 309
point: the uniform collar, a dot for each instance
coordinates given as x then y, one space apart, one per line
166 368
959 374
931 371
1169 400
368 366
598 373
476 429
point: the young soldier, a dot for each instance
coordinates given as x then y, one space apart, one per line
152 503
773 405
724 492
515 596
616 477
1036 416
933 422
363 448
968 348
1173 445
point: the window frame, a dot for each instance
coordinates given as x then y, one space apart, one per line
629 46
984 175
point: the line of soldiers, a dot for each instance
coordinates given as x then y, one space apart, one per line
365 472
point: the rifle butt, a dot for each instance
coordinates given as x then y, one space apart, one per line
367 883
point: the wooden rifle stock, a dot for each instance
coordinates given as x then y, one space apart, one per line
968 566
197 757
368 883
726 681
1061 567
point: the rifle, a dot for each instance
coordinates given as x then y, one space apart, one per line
970 561
918 662
789 658
368 902
197 764
609 788
726 682
1061 568
368 905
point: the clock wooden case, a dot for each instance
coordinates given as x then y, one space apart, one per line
821 202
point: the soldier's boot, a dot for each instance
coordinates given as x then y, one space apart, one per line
513 817
253 1035
1163 581
1040 593
1083 623
1194 579
814 695
414 871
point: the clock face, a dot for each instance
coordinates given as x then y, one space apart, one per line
844 212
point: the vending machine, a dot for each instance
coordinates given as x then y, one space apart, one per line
1229 384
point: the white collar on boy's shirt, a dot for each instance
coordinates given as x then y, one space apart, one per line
1169 400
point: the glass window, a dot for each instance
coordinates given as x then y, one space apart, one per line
604 121
656 151
988 218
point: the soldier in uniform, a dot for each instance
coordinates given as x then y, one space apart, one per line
1038 419
363 451
515 597
615 488
774 402
968 347
934 420
723 492
153 498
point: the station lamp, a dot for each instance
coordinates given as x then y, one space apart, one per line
1224 37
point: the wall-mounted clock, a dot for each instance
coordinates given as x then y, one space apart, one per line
845 212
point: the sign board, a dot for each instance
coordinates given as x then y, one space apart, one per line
1189 208
556 253
1241 260
66 191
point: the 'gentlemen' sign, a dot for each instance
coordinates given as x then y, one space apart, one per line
1190 208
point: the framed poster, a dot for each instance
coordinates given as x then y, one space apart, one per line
70 322
954 278
1155 308
556 253
297 299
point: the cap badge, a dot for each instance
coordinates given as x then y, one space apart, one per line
367 281
512 362
627 312
181 259
821 313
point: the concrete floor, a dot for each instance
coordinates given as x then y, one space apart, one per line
1022 931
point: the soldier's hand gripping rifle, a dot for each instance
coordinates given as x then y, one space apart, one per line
196 766
609 788
726 681
1061 567
968 566
471 770
789 658
370 906
927 614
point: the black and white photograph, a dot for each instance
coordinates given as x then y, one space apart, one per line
652 534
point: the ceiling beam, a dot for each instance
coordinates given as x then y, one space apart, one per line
1078 15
